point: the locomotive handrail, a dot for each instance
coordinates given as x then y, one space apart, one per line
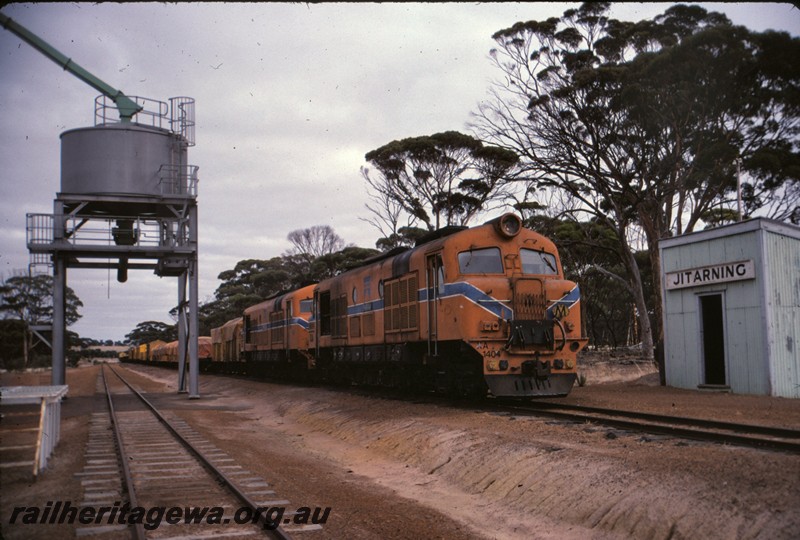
563 334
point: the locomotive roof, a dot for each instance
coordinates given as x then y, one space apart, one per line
425 239
440 233
402 254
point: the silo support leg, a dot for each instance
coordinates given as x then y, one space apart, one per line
194 361
59 321
182 337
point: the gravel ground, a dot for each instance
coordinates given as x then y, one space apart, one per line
403 469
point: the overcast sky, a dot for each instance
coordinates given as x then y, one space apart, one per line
289 98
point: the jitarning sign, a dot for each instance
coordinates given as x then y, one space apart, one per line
709 275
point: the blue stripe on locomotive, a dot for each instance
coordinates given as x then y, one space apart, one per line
281 324
471 293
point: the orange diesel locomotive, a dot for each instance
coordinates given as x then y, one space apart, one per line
479 307
463 311
275 336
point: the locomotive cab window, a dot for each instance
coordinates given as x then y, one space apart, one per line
538 262
480 261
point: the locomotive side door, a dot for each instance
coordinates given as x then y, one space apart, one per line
434 284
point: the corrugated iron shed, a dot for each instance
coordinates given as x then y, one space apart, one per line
732 308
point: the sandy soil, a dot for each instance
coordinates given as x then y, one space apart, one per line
400 469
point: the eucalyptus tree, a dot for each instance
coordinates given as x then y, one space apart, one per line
317 253
436 180
30 299
148 331
642 123
386 215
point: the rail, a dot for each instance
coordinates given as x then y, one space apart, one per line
749 435
277 532
702 430
123 457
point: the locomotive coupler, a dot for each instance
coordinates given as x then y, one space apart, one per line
539 369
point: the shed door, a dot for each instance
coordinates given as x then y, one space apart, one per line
712 334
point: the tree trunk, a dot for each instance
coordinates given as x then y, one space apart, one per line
654 230
658 308
641 305
635 288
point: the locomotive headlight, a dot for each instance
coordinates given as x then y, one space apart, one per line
497 365
509 225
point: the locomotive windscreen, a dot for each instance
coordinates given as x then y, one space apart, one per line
538 262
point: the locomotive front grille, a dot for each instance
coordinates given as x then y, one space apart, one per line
530 303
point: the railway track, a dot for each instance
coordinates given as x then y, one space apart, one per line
754 436
764 437
153 461
749 435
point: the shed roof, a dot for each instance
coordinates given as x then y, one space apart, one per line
771 225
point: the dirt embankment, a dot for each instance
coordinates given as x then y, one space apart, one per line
508 477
